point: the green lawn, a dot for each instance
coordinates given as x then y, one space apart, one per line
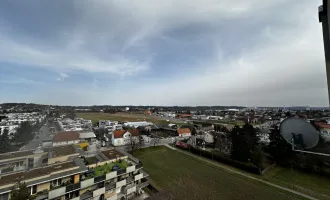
96 116
310 184
165 165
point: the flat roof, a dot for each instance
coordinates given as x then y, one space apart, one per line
15 154
111 154
61 151
37 172
87 135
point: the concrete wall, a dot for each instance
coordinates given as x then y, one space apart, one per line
61 158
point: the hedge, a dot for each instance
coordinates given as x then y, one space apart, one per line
224 159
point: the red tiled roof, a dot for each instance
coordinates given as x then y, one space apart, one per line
66 136
120 133
134 132
183 131
322 125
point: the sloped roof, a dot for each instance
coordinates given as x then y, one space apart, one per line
66 136
183 131
120 133
322 125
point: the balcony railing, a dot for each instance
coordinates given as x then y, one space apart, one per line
99 178
142 185
86 195
72 187
138 166
110 186
121 171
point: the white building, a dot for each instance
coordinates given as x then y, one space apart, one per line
137 124
121 137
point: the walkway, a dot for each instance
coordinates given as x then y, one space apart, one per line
233 171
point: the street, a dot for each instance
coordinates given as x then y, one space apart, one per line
33 144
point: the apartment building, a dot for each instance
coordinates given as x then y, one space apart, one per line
108 175
23 160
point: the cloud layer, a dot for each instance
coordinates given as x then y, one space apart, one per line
173 52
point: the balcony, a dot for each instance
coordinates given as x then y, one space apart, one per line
142 185
138 166
110 186
72 187
86 195
99 178
130 179
56 192
41 195
107 168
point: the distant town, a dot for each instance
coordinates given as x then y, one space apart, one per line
116 152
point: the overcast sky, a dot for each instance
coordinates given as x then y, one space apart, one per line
164 52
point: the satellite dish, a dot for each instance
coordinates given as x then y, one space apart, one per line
300 133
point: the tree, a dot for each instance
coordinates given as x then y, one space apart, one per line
223 143
133 143
20 191
155 141
279 149
244 140
257 157
4 139
24 133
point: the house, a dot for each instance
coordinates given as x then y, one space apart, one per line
184 132
120 137
184 116
324 128
87 136
66 138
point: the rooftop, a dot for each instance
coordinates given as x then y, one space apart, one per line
61 151
37 172
184 131
15 154
66 136
112 154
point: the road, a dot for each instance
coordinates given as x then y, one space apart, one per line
233 171
33 144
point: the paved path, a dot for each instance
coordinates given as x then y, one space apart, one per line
244 174
33 144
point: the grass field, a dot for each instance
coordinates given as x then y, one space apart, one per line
165 165
96 116
310 184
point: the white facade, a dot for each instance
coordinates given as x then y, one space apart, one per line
123 140
137 124
62 143
11 129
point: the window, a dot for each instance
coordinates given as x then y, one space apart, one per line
34 189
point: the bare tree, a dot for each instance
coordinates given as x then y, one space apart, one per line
133 143
155 141
223 143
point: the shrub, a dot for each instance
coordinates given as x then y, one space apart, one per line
219 157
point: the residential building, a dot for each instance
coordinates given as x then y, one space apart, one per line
137 124
110 175
66 138
184 132
87 136
22 160
121 137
